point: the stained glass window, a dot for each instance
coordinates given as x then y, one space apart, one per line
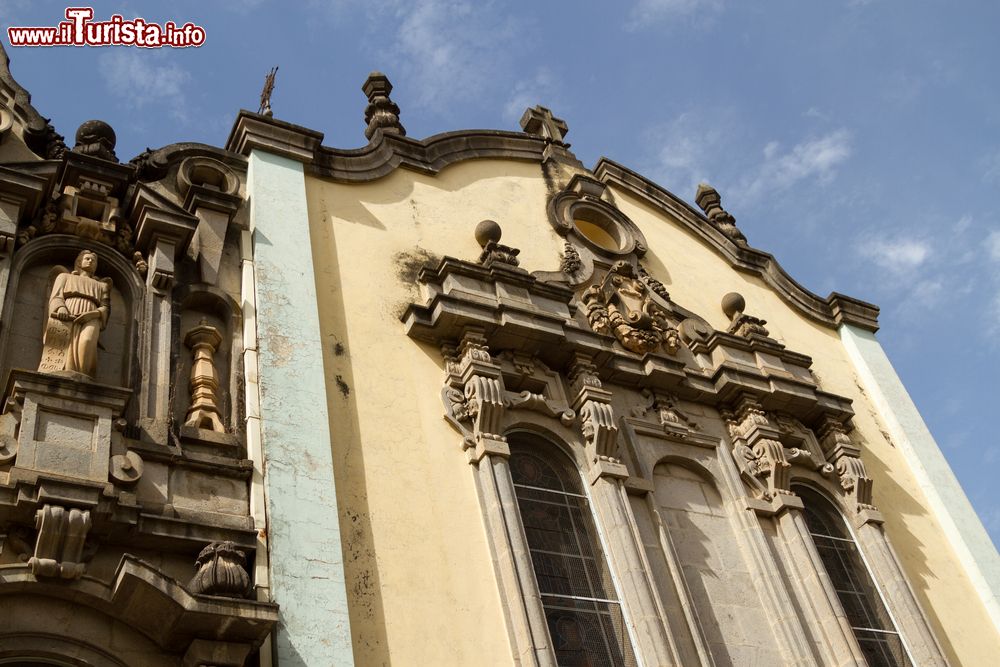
582 610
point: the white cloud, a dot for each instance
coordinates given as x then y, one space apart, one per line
654 11
454 49
686 146
529 92
899 256
993 245
963 224
134 76
813 158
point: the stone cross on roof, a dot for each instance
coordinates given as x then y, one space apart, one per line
539 121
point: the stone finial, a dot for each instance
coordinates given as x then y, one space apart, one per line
97 138
381 113
741 324
540 122
488 236
204 340
221 571
709 200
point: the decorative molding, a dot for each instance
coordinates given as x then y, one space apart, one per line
381 114
596 416
710 202
832 311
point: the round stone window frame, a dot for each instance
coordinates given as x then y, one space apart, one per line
569 206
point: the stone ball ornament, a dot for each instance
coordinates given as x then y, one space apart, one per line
487 231
733 303
92 130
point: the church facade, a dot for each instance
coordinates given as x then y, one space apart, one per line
458 401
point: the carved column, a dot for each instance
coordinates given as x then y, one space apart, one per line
821 614
614 515
20 196
475 391
777 583
10 211
162 236
899 597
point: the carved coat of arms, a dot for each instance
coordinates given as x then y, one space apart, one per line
622 305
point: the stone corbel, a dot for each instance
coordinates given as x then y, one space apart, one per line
758 451
845 456
61 536
163 234
475 395
592 404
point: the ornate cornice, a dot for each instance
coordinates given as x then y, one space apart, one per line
386 152
832 311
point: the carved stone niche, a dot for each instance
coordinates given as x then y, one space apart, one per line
205 399
28 308
65 425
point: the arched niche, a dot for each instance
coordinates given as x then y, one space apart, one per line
25 313
200 305
697 520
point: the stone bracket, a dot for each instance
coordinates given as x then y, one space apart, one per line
61 535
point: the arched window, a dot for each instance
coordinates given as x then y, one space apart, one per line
582 610
866 612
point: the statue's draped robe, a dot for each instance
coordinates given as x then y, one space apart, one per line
88 300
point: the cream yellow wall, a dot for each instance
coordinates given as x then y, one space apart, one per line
420 581
697 278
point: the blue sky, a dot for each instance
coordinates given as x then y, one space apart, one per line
856 140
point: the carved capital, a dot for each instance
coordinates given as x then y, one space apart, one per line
593 405
474 393
845 456
757 449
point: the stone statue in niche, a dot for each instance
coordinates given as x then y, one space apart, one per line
78 309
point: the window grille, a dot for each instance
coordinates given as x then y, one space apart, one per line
880 642
582 610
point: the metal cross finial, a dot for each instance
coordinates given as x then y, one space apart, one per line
539 121
265 94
